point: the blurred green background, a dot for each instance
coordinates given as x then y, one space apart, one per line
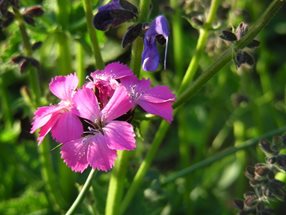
234 106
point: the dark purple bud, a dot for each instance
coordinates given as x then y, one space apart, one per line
158 28
132 33
113 14
228 36
29 20
18 59
34 11
106 19
253 44
36 45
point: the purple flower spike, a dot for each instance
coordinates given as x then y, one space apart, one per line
158 31
113 14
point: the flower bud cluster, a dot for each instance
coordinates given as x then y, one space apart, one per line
242 56
262 180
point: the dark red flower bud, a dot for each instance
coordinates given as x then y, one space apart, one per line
34 11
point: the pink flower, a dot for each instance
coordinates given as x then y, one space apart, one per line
157 100
60 119
104 82
105 134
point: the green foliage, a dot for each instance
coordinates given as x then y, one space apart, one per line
234 106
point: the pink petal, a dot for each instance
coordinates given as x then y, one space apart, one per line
42 115
74 154
99 156
120 135
67 128
158 94
86 103
64 86
45 129
117 70
119 104
114 70
163 110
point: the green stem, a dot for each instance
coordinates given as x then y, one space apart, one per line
116 184
177 35
222 60
144 166
82 193
80 64
64 56
33 74
137 46
92 34
204 33
220 155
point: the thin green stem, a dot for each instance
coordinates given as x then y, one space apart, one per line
220 155
222 60
80 64
137 46
82 193
33 74
64 55
144 166
177 35
92 34
204 33
116 184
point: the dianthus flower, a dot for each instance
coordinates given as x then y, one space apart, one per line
60 119
155 100
105 81
105 134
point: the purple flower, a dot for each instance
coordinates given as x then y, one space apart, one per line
105 134
60 119
155 100
113 14
158 31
